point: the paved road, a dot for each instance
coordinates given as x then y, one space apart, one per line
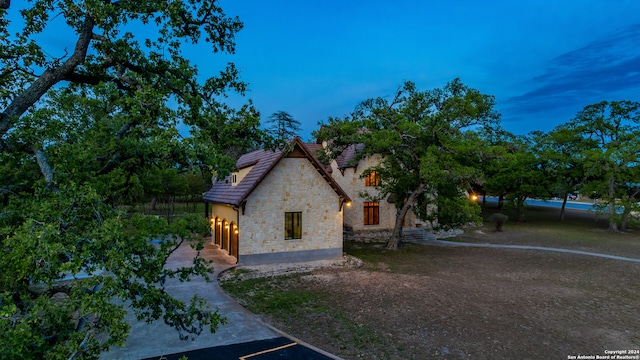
157 339
526 247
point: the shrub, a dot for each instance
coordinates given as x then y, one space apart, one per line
498 220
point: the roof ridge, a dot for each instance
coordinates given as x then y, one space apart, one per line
224 193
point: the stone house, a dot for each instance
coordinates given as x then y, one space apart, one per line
278 207
366 219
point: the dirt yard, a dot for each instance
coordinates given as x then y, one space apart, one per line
428 302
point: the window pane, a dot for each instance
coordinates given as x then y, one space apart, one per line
372 179
297 225
292 225
371 213
288 225
376 219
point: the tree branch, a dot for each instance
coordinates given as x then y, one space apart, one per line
45 168
83 78
111 164
48 79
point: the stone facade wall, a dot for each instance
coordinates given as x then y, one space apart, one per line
353 185
293 185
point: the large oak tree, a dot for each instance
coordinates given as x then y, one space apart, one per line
429 155
82 130
609 132
561 161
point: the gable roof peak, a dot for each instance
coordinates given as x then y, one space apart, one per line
263 161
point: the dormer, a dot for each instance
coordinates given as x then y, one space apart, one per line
242 171
234 178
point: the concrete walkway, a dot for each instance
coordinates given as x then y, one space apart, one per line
525 247
156 339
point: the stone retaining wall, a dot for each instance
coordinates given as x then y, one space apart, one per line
384 235
367 235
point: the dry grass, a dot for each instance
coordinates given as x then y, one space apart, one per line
426 302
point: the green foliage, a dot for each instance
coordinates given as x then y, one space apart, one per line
53 241
283 127
594 154
515 172
264 296
94 131
427 142
498 220
561 159
608 134
458 211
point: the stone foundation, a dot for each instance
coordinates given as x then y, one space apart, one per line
290 257
367 236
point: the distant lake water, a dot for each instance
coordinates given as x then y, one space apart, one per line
550 203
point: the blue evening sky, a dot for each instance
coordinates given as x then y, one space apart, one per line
543 60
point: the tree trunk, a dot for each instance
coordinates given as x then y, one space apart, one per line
625 219
500 201
564 204
520 205
394 241
613 225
